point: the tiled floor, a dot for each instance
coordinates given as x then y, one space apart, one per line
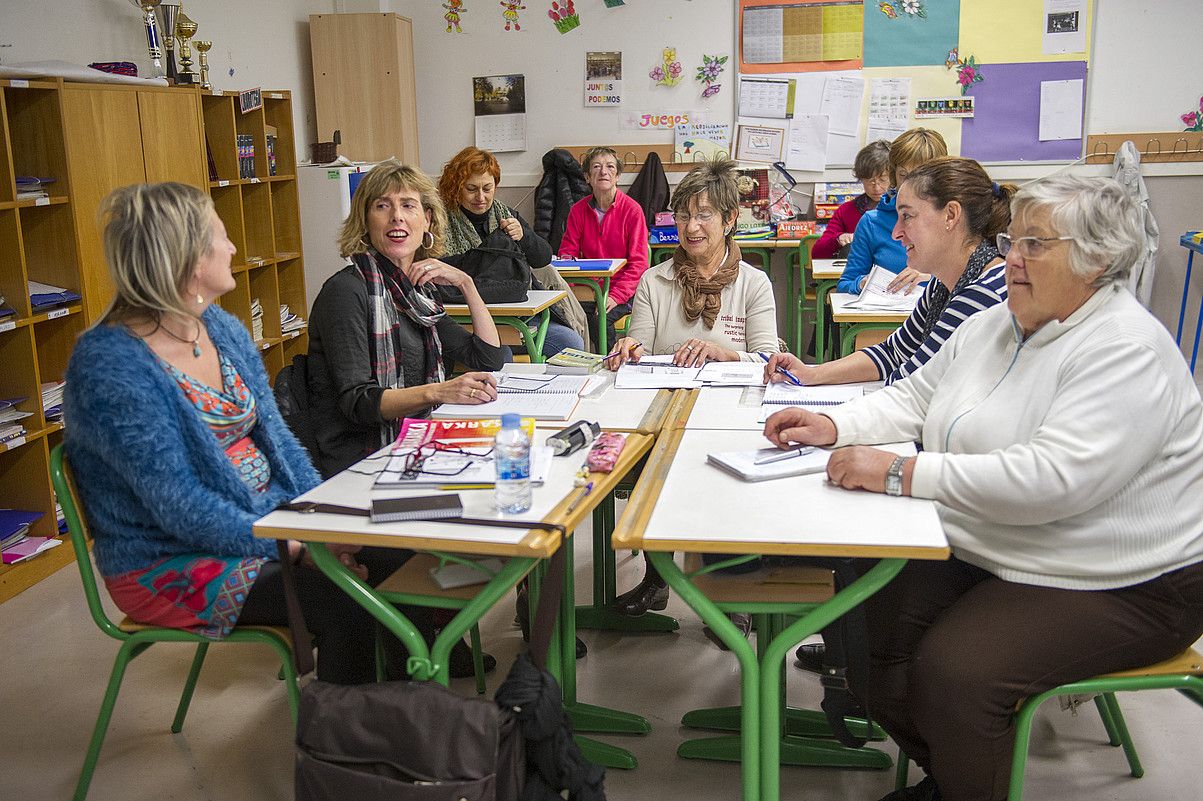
237 743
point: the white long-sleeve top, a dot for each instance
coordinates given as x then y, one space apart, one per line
1071 459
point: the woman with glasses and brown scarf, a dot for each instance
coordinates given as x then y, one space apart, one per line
704 305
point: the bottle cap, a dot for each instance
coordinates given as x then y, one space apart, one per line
511 420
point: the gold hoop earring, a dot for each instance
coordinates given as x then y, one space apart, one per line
200 301
425 234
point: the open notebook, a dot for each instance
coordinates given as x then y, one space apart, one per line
816 399
876 296
538 395
656 372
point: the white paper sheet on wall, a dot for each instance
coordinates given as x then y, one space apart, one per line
501 132
765 97
889 103
762 35
841 149
806 147
841 103
1064 26
1060 110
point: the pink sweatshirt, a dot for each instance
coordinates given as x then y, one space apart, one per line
621 234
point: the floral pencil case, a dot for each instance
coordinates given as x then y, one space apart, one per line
604 453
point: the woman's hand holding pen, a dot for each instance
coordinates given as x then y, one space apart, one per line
781 366
625 350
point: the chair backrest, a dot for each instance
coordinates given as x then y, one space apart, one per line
77 528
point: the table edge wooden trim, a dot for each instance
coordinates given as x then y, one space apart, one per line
636 446
656 413
800 549
537 544
506 310
628 532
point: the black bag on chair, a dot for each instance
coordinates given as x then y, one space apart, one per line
498 268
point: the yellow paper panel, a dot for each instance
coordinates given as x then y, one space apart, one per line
802 34
1011 32
925 82
843 32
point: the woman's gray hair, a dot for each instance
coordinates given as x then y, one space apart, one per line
1099 217
717 180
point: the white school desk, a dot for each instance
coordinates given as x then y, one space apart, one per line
853 321
735 408
684 504
522 549
515 315
594 285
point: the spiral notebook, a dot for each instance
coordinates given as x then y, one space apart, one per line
815 399
541 396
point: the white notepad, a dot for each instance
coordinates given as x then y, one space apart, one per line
733 374
875 295
743 463
656 372
815 399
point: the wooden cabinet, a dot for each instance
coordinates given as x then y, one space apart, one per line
93 138
363 82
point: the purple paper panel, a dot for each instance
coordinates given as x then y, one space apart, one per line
1006 116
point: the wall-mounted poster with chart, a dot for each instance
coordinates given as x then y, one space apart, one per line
800 35
499 105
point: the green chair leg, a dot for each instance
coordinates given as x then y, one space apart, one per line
1121 728
1100 704
124 655
478 659
903 769
189 686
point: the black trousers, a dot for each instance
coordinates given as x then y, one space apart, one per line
954 649
343 631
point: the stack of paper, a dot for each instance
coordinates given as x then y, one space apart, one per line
732 374
5 309
11 435
769 463
256 319
539 395
876 295
52 399
289 322
815 399
656 372
30 187
42 296
15 545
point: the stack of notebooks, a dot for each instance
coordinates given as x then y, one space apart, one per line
540 396
453 453
256 319
44 296
573 361
246 155
52 400
31 187
12 430
289 322
5 309
15 543
658 372
582 264
876 294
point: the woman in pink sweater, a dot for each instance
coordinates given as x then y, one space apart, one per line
607 225
872 169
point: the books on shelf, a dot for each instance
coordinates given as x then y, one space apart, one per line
246 155
27 548
43 296
256 319
289 322
574 361
765 464
15 543
452 452
541 396
30 187
52 400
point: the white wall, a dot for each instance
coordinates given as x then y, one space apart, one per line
264 43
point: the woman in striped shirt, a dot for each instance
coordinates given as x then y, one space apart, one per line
948 214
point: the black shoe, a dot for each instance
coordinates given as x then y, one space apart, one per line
810 657
742 621
459 663
649 594
925 790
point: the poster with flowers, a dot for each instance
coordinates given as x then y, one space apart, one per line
668 72
712 67
1193 120
563 15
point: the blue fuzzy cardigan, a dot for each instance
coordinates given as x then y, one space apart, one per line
152 477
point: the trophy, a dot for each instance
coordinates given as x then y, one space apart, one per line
203 49
152 33
185 29
167 16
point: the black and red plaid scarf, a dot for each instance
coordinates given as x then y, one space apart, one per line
390 295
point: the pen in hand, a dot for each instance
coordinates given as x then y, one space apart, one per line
783 455
793 379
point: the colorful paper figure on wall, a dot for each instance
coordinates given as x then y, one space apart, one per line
911 8
564 15
668 71
454 9
510 13
968 70
1194 119
712 67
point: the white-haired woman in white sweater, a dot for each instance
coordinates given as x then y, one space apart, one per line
1063 443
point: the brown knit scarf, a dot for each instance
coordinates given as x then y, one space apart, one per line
703 296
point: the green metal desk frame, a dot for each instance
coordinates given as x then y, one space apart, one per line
532 339
601 291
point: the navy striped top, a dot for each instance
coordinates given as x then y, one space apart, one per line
903 352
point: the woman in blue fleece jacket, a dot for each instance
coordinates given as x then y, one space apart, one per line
177 445
873 242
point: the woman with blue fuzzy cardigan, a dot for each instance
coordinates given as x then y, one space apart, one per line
177 445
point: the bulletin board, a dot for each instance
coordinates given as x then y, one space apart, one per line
1024 63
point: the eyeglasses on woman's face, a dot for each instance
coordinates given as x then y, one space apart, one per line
682 218
1029 247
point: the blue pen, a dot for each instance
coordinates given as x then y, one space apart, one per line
793 379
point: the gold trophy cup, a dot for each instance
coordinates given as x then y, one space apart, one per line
185 29
202 47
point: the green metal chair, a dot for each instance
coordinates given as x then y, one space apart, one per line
135 638
1183 673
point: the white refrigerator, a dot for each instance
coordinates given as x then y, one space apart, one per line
325 196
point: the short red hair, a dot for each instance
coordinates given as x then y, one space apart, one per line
463 165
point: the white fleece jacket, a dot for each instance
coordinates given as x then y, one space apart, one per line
1073 459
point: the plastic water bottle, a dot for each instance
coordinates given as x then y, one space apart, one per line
511 454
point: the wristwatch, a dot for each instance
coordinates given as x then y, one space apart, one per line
894 476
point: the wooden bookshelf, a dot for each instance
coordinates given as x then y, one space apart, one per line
93 138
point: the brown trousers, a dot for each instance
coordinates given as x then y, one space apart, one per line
954 649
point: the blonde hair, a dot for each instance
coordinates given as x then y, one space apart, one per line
154 236
914 147
386 177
